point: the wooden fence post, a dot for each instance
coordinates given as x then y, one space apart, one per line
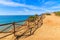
14 27
30 29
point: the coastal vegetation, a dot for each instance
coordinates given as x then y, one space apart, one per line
33 18
47 13
57 13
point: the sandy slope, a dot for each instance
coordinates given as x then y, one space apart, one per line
11 37
50 30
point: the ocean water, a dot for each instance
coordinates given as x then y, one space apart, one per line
11 18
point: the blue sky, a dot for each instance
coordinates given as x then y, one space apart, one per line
28 7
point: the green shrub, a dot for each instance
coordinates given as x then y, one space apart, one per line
33 18
57 13
47 13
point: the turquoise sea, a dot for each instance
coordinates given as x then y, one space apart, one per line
11 18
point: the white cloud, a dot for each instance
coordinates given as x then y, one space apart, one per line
10 3
56 7
50 2
29 12
14 4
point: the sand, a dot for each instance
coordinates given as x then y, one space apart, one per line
50 30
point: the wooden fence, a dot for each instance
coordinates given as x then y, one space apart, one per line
14 30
